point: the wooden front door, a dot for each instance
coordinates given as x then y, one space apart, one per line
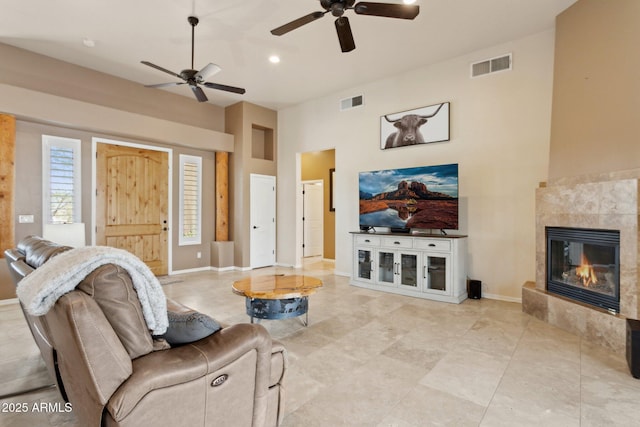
131 202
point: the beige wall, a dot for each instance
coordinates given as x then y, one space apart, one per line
596 92
499 137
29 187
315 166
240 120
21 68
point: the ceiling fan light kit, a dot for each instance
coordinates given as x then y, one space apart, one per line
193 77
337 8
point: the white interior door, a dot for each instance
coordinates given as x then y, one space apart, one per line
313 218
263 220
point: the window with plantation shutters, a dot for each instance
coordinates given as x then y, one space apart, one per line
61 180
190 200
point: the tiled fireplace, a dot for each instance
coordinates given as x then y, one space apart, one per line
569 267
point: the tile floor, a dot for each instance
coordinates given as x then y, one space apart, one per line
375 359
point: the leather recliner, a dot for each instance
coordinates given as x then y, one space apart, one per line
114 373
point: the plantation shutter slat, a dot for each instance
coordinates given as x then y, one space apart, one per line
61 185
190 219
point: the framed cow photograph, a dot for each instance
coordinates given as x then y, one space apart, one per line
420 126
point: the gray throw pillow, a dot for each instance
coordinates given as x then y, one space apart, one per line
189 327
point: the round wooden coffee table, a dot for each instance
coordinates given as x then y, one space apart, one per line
277 296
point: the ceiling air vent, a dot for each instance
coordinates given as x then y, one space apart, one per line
492 65
353 102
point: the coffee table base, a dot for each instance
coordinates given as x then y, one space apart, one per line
273 309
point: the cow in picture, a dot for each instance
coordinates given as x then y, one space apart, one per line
408 129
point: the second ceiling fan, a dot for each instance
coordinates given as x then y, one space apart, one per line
337 9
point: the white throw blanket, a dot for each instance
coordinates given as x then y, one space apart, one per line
40 290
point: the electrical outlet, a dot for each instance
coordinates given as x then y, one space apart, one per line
199 255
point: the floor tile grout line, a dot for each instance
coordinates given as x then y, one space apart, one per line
506 369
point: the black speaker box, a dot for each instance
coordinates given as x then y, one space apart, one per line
633 347
475 289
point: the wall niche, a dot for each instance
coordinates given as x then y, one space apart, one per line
262 143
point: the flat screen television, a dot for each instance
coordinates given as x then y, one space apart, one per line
423 197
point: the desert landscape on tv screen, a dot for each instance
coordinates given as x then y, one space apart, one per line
421 197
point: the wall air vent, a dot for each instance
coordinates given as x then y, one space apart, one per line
353 102
492 65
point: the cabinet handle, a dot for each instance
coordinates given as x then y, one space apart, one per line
432 245
424 271
396 243
367 241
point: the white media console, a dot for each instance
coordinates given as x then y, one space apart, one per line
418 265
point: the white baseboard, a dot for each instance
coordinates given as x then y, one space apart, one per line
222 269
217 269
502 298
190 270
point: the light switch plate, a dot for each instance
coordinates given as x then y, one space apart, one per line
25 219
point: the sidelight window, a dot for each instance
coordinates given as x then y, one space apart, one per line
190 200
61 184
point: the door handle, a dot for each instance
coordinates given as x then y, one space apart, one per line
255 226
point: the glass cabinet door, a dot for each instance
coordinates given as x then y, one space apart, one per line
386 268
365 264
409 270
435 273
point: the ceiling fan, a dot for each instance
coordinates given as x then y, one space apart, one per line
337 9
193 77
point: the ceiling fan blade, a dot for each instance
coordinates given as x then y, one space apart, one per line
387 10
157 67
199 93
224 87
165 84
297 23
208 71
347 44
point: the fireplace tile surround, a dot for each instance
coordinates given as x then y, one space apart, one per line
602 201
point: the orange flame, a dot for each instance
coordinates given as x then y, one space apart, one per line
585 272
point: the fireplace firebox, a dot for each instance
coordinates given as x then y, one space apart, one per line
584 265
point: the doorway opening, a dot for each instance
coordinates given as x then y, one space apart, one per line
318 167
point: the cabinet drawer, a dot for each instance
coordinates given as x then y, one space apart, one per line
397 242
434 244
368 240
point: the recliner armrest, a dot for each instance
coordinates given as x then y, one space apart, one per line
13 255
190 362
19 270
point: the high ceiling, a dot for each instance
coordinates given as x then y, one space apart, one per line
236 35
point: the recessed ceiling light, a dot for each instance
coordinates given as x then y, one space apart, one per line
274 59
88 42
